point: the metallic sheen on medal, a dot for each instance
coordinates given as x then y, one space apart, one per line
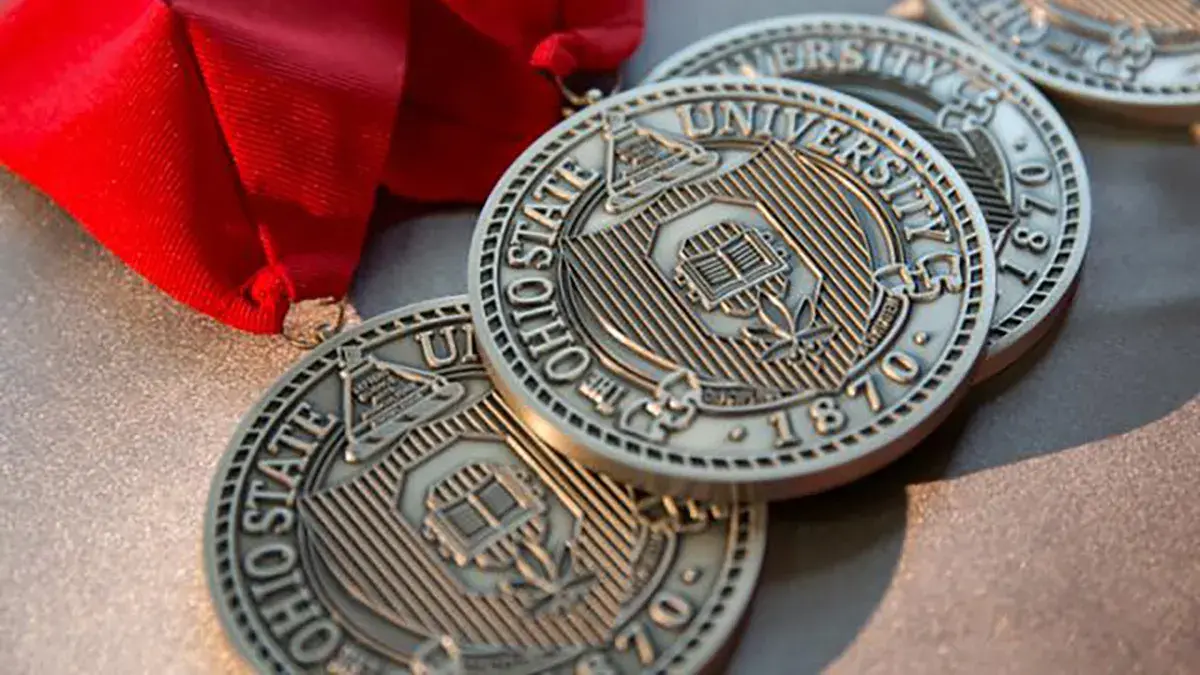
1003 137
730 288
382 511
1140 58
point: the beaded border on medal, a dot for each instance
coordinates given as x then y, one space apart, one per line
1042 304
746 542
713 476
1163 105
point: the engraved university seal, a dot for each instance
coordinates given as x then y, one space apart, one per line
382 511
731 288
1138 57
1005 139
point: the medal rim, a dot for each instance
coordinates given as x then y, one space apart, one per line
726 615
671 472
1172 104
1005 346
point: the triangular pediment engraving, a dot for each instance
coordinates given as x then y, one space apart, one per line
381 400
642 162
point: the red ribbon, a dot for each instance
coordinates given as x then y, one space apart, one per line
229 150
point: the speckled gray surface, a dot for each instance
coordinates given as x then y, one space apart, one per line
1024 537
115 407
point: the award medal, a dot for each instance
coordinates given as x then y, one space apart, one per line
1001 134
732 289
382 511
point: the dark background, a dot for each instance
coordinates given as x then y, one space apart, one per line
1051 526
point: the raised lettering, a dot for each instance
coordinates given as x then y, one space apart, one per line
293 609
900 367
288 613
933 68
286 439
567 182
315 642
537 257
826 141
853 155
826 416
636 637
865 386
547 215
891 192
430 351
276 520
469 353
876 52
757 61
1016 19
1034 173
302 431
269 560
785 57
1030 239
919 204
818 54
266 589
882 172
784 435
315 423
259 491
567 365
565 362
934 229
1027 204
693 126
579 176
851 57
527 291
738 114
670 611
904 56
283 470
766 124
546 338
796 123
546 311
1026 276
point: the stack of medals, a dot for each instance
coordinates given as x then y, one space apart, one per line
770 270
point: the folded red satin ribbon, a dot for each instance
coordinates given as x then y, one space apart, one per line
230 150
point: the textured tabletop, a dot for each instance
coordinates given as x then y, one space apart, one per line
1051 526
